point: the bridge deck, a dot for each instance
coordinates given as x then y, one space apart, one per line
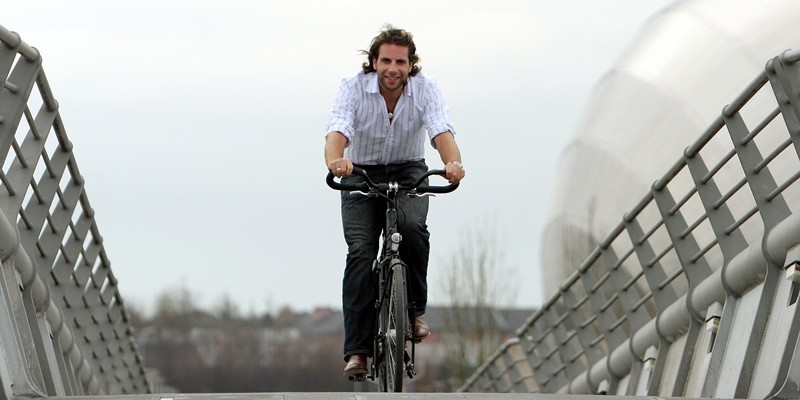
357 396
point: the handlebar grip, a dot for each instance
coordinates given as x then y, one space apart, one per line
421 189
362 186
436 189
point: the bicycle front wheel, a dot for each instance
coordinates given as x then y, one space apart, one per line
395 328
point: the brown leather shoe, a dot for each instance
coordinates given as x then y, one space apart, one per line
421 329
356 365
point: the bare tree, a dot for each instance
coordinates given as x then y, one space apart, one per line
226 309
476 284
174 309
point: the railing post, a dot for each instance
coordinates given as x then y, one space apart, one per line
13 99
694 267
653 271
772 211
730 244
549 326
583 326
608 324
628 296
529 343
789 388
783 76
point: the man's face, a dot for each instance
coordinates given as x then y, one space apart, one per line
392 66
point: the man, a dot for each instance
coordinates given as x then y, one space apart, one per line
381 119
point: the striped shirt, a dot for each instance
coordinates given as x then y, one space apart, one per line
360 114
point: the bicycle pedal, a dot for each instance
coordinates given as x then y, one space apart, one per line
358 378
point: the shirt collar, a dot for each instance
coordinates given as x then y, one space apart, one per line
372 87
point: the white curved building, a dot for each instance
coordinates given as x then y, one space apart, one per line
687 62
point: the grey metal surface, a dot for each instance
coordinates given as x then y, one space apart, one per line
357 396
681 299
64 327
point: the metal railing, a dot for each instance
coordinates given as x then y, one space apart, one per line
694 293
63 326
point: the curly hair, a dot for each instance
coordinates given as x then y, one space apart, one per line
392 35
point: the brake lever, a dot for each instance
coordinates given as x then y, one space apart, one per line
413 194
371 193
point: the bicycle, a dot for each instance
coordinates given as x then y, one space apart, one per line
394 329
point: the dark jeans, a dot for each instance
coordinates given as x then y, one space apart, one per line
363 219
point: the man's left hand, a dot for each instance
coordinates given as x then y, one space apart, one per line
454 172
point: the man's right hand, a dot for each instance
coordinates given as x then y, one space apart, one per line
335 143
341 167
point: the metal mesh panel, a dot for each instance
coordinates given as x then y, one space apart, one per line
70 333
655 305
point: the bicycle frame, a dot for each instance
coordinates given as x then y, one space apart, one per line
384 266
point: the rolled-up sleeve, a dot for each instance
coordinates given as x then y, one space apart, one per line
342 114
436 115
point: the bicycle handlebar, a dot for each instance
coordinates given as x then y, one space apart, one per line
368 184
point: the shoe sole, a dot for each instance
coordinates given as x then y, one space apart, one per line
355 370
418 339
355 373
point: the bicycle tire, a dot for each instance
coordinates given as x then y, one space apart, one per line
396 327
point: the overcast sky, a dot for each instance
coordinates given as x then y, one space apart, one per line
199 125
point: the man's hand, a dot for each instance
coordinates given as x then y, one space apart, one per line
341 167
445 144
454 172
335 143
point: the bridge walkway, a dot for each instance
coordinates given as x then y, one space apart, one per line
357 396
